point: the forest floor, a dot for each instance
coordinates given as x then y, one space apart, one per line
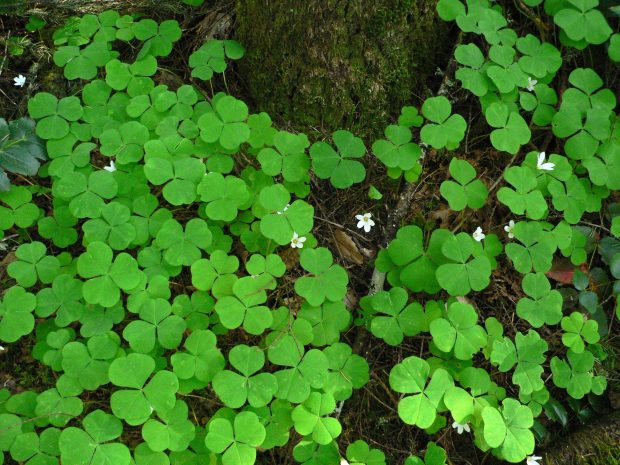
371 413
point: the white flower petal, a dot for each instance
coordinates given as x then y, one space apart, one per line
20 80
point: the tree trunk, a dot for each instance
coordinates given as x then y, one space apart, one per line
339 63
595 444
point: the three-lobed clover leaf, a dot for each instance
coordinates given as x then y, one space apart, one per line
509 430
224 196
581 20
329 281
397 151
174 432
106 275
543 306
16 314
528 354
211 57
537 249
157 325
89 363
53 115
287 158
511 129
462 275
411 376
575 375
283 219
392 318
244 307
86 194
113 227
33 265
236 389
360 453
236 440
226 124
525 198
467 191
311 418
182 245
201 359
578 330
83 63
445 130
459 331
339 166
135 405
19 210
92 445
347 371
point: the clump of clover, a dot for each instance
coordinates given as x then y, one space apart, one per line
164 238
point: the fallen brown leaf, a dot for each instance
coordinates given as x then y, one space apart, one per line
347 247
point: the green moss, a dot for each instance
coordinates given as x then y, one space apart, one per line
334 64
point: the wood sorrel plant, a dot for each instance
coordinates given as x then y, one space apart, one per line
133 276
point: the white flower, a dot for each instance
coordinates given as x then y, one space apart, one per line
533 460
531 83
460 428
20 80
509 227
541 165
2 348
297 241
478 234
344 461
111 167
284 209
364 221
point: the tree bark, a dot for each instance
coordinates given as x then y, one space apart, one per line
339 63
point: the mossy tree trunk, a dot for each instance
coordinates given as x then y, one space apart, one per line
339 63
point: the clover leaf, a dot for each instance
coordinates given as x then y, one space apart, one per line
224 195
83 63
106 276
92 445
311 418
53 115
508 430
462 275
543 306
445 130
473 75
329 281
347 371
174 432
89 363
289 159
235 389
338 166
528 354
466 191
411 376
459 331
226 124
157 324
282 221
306 369
244 308
182 245
576 375
392 318
537 250
512 131
33 265
16 312
578 329
86 194
581 20
397 151
201 360
525 197
136 404
359 453
236 440
211 57
113 227
327 321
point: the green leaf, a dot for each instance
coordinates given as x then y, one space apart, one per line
236 440
329 281
338 166
543 305
466 191
459 331
508 430
311 418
